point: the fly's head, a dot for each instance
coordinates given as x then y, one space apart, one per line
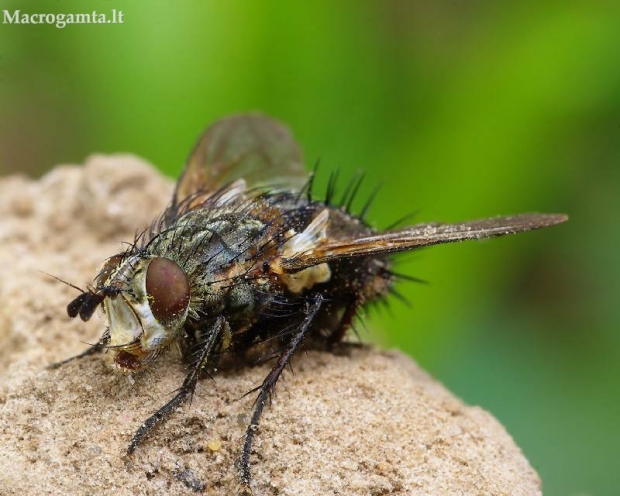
146 301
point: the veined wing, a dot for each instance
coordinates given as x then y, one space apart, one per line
253 147
418 236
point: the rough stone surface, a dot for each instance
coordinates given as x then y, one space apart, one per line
365 422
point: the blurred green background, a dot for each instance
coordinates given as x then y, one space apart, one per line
462 109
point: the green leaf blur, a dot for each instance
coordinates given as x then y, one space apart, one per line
461 110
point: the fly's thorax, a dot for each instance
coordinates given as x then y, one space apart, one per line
149 309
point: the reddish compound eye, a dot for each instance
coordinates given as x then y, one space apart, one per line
167 289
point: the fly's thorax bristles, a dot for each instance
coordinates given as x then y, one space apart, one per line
149 310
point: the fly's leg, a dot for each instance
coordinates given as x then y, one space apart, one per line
188 387
345 323
268 386
96 348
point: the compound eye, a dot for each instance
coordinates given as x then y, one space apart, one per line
167 289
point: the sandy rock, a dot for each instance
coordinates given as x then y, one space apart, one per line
364 422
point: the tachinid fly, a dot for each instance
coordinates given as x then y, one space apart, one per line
246 260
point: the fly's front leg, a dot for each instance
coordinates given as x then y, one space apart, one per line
268 386
96 348
212 336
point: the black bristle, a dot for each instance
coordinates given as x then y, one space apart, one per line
371 198
351 191
331 187
406 277
399 296
315 170
403 220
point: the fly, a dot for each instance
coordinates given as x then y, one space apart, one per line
246 259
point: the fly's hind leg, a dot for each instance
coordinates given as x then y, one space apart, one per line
212 336
346 321
268 386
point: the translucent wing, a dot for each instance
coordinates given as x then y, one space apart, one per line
418 236
252 147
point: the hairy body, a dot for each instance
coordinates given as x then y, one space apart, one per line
247 263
